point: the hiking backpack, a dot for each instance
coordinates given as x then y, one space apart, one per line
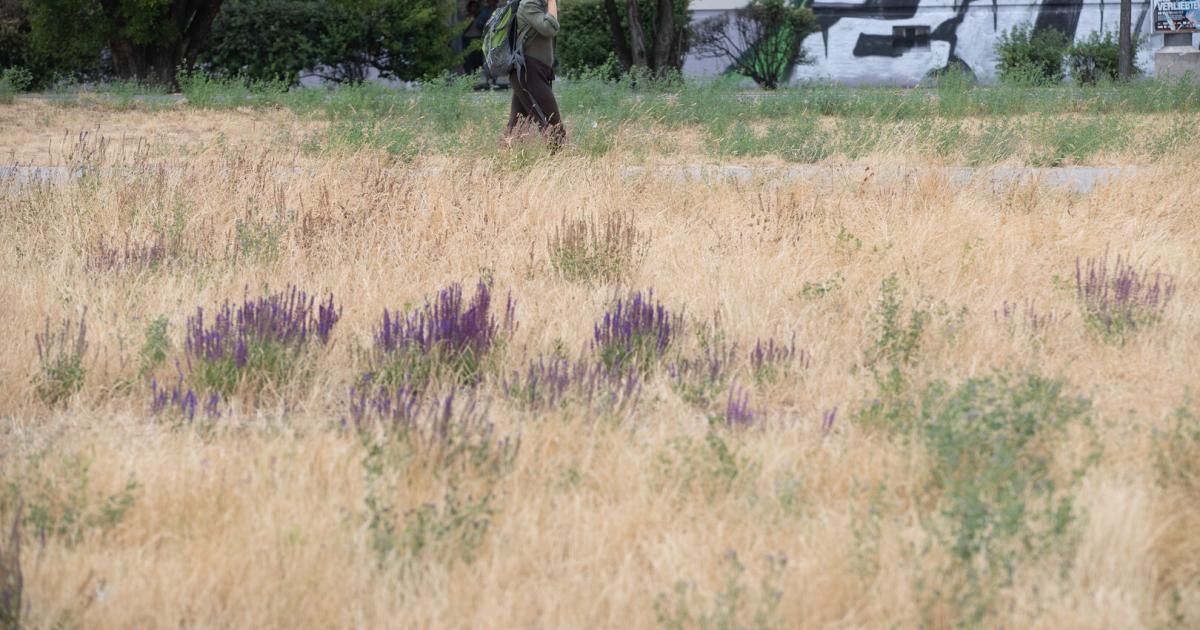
501 50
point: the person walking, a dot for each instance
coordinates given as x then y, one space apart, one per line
532 97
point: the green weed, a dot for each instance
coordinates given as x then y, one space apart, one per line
711 467
60 361
742 602
993 444
891 357
1177 450
155 346
59 502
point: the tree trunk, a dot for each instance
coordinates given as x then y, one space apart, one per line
664 36
1125 53
637 39
620 46
149 64
158 63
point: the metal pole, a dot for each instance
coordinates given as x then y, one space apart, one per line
1125 55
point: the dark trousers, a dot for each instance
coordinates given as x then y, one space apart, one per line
533 102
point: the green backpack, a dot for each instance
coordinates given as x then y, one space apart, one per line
501 50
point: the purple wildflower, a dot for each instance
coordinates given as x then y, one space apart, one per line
828 418
771 358
446 328
737 409
1118 302
447 429
287 318
182 400
635 332
700 380
1013 314
547 384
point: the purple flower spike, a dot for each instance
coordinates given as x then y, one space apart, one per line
828 418
553 383
182 401
770 359
445 323
1119 302
737 410
286 318
635 332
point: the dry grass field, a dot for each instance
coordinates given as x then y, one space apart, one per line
898 403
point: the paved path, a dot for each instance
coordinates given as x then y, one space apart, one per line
1077 179
1081 179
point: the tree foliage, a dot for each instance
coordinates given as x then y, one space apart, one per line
338 40
271 40
763 40
585 43
146 40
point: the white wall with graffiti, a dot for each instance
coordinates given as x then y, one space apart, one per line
899 42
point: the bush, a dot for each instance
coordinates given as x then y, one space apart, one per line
267 39
260 341
586 43
1118 302
1032 55
449 336
995 448
1097 58
635 333
340 41
13 80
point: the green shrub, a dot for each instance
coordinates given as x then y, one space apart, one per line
712 467
13 80
763 40
18 52
1177 450
1096 58
742 602
1029 55
155 347
993 445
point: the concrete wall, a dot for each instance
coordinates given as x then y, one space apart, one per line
855 44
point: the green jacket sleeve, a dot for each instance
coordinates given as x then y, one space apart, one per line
533 13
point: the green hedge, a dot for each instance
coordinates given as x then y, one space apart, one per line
265 40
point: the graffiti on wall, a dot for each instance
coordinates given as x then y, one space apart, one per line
902 41
934 35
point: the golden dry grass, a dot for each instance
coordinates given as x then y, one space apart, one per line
262 521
